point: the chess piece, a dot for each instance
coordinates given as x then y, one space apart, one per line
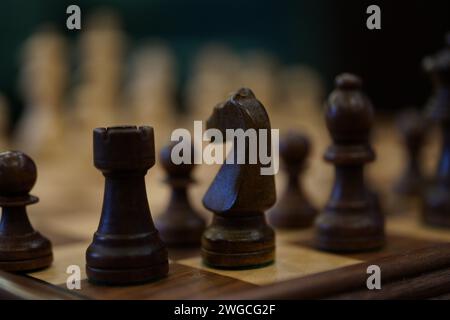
21 247
413 128
214 75
239 236
98 93
151 89
179 225
258 71
126 248
436 208
152 84
293 209
302 95
350 220
43 82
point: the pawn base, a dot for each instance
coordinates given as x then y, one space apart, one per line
182 238
346 244
285 218
436 210
180 231
350 231
25 253
27 265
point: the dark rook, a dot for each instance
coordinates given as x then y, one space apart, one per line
126 247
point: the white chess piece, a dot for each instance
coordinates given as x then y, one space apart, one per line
152 85
215 75
302 93
258 72
97 97
43 81
151 90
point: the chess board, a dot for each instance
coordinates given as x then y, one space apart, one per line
414 263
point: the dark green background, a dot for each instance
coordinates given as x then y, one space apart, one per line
328 34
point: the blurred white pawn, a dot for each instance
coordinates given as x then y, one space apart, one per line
102 47
258 72
151 90
301 95
43 82
96 97
215 75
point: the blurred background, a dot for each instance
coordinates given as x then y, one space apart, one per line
165 63
168 62
325 35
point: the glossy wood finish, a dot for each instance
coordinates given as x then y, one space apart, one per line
430 263
424 286
239 236
294 209
126 247
21 247
19 287
181 283
296 262
351 220
395 244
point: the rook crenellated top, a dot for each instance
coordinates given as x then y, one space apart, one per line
124 148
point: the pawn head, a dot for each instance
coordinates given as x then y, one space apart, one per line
177 149
18 173
294 147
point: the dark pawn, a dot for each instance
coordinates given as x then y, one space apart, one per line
436 210
126 248
179 225
293 210
21 247
412 128
350 220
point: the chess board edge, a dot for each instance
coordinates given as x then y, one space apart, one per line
411 267
22 287
415 274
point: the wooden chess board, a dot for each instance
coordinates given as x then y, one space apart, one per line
415 262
